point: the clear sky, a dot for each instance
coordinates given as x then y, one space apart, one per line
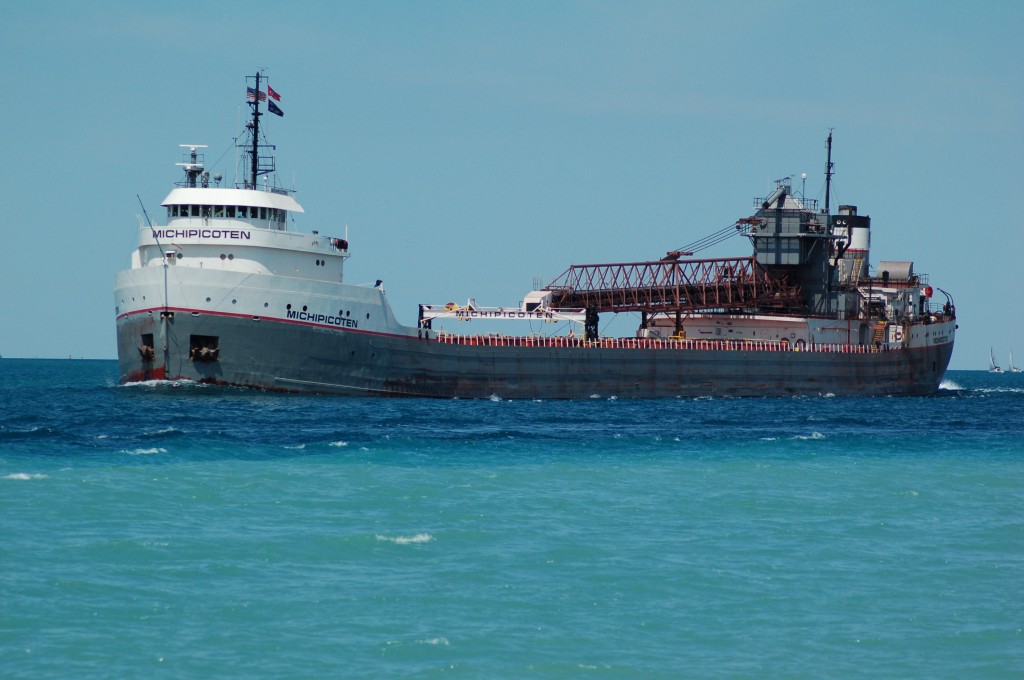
470 147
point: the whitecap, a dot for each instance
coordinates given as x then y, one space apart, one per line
339 443
434 641
948 384
297 447
163 383
146 452
403 540
813 435
24 476
495 397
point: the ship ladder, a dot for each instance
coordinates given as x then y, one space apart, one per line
880 333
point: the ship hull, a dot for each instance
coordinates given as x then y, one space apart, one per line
281 355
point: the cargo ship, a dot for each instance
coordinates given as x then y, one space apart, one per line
224 289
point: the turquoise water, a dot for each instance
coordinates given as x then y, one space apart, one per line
174 531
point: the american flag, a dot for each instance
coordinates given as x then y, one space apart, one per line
251 93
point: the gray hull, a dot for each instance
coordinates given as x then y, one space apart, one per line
276 355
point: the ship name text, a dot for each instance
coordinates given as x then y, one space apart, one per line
237 234
339 321
467 314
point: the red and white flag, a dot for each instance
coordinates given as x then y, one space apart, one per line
273 95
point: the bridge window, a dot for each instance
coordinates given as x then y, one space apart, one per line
263 213
183 210
218 211
231 211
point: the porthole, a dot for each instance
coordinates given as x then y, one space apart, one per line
304 308
180 256
266 304
207 299
234 301
348 313
288 306
231 257
223 256
367 315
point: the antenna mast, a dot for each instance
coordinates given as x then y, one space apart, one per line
256 131
828 176
829 267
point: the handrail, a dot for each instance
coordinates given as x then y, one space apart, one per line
660 344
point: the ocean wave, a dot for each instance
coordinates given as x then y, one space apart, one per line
146 452
813 435
29 433
163 432
403 540
25 476
948 384
443 642
163 383
999 390
339 443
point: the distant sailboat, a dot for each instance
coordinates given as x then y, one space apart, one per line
993 367
1011 368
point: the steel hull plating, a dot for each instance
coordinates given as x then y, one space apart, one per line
277 355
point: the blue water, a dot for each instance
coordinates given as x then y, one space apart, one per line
182 531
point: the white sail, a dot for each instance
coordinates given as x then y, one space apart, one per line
993 367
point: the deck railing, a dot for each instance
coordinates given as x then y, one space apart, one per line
658 343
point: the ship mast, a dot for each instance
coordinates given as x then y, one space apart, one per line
828 177
829 265
256 131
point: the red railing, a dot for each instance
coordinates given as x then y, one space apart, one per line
656 343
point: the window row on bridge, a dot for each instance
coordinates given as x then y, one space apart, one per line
229 211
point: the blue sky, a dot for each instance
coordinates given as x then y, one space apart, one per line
470 147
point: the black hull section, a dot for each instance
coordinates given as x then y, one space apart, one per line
292 357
